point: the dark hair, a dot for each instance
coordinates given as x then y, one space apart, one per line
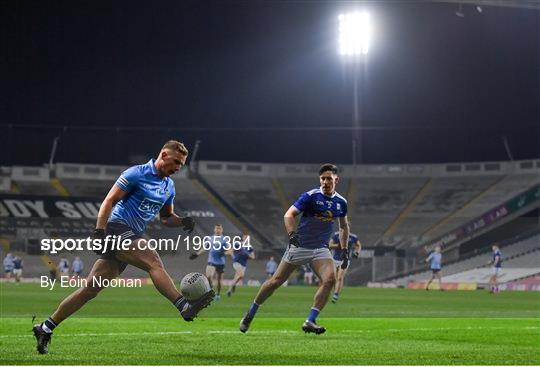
328 167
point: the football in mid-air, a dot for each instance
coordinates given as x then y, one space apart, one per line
194 285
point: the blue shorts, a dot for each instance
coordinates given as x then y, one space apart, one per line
219 268
435 271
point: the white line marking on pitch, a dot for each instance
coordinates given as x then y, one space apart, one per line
359 331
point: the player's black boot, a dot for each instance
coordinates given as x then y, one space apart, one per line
191 309
245 322
311 327
43 339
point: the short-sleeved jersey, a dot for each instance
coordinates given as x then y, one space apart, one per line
241 256
77 265
350 245
216 254
146 195
271 266
318 215
17 263
435 258
8 262
497 263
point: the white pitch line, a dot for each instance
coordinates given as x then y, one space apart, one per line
358 331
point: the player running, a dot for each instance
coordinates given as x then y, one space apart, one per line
271 267
435 259
354 251
308 244
496 263
17 268
8 265
215 268
240 259
137 196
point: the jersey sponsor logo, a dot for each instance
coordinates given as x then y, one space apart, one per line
325 216
150 207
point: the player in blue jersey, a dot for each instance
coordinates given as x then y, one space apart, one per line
354 251
271 267
240 259
434 259
308 244
496 263
8 265
218 245
138 195
17 268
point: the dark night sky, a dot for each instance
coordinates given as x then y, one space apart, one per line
436 87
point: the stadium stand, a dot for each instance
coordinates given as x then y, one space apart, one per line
514 256
389 205
256 200
501 191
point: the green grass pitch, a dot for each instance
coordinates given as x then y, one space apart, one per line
366 326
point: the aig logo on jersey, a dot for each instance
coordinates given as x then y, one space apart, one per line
338 206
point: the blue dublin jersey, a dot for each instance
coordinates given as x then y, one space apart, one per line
146 195
496 263
242 256
216 254
318 215
435 258
337 251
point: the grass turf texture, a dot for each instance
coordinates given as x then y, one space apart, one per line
366 326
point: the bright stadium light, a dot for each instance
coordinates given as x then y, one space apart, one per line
354 33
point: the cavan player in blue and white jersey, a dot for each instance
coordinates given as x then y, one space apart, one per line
496 263
354 251
218 245
308 244
435 258
240 259
138 195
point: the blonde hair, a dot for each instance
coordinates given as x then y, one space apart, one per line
176 146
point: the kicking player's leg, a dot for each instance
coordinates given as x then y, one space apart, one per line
148 260
281 275
104 269
324 268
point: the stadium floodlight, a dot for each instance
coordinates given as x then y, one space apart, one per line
354 33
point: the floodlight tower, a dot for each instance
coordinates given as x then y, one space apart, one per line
354 40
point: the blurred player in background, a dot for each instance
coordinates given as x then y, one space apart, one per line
308 244
63 266
308 274
8 266
434 259
240 260
216 258
271 267
137 196
496 263
17 268
354 251
77 267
